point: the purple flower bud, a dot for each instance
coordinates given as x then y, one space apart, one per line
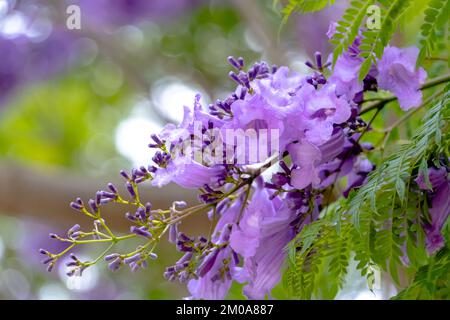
71 273
76 235
234 62
183 237
318 57
71 264
50 267
115 264
235 78
134 267
93 206
75 228
153 256
73 257
140 180
141 231
105 201
179 267
309 64
109 195
112 188
184 276
208 262
274 68
76 206
179 204
141 214
45 261
98 197
225 233
270 186
184 246
236 258
185 258
124 174
170 269
130 217
131 190
284 166
42 251
53 235
241 61
111 256
148 208
157 139
244 79
133 258
173 232
279 179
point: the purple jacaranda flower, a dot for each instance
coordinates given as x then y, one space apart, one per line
215 283
398 74
322 109
261 237
187 173
307 157
183 166
264 111
440 206
439 211
436 177
345 75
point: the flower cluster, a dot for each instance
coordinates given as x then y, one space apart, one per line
314 121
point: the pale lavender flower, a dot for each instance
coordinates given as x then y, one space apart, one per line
398 74
261 237
215 276
345 75
322 109
440 206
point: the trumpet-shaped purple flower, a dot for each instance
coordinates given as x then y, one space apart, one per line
322 109
180 164
261 238
307 157
345 76
440 205
398 74
215 273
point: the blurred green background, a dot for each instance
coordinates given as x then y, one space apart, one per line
76 106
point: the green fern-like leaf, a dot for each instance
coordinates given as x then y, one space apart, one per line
433 27
320 258
431 281
304 6
348 27
384 211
